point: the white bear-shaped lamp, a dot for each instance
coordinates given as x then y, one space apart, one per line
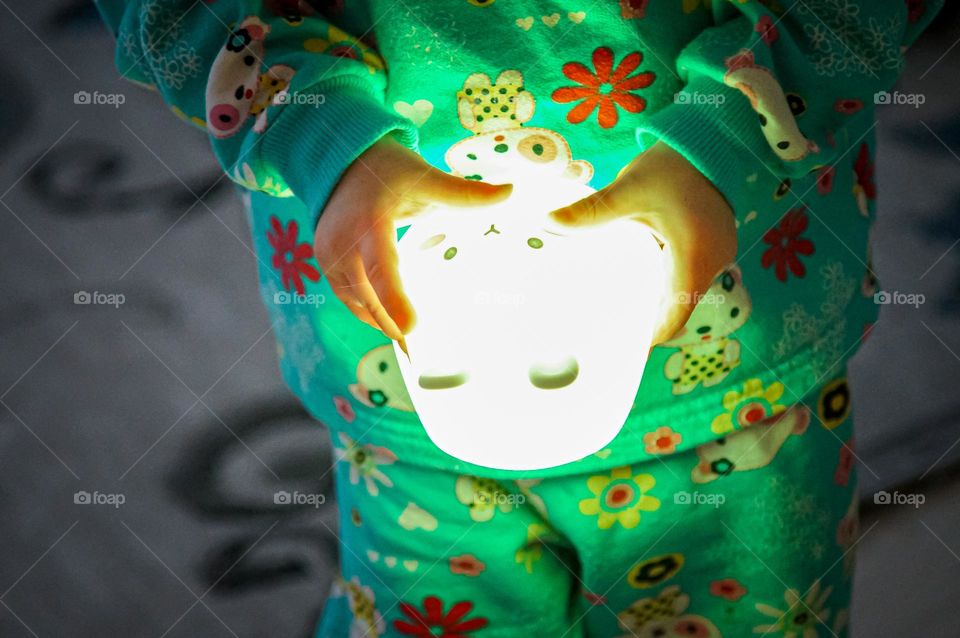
530 338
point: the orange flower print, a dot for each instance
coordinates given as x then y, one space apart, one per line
466 565
663 440
607 87
728 588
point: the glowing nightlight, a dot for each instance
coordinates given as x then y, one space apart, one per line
531 338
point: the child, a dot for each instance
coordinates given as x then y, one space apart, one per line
726 505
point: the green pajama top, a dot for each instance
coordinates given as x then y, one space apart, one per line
772 100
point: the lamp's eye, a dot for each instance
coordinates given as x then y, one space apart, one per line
535 242
450 253
432 241
433 381
555 375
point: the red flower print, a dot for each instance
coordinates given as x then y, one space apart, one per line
767 30
786 244
608 87
845 464
434 624
864 189
847 106
915 10
289 257
825 179
595 599
633 9
344 409
466 565
728 588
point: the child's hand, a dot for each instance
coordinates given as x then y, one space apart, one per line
663 190
356 241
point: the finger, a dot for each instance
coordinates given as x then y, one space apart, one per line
695 258
365 294
378 252
344 292
444 188
596 208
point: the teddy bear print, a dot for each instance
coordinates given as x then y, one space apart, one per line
751 448
664 617
707 353
483 497
501 148
236 89
777 110
379 384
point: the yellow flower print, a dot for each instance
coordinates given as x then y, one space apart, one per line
802 616
654 571
341 44
749 406
532 550
619 498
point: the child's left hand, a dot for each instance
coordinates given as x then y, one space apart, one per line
663 190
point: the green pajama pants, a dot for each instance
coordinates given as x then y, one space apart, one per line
751 534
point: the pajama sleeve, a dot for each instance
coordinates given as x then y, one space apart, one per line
790 85
288 99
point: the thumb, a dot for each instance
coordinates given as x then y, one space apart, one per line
596 208
444 188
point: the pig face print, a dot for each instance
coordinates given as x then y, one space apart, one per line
236 89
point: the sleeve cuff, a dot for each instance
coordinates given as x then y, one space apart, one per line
314 141
714 127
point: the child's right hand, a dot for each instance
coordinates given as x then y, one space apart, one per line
356 241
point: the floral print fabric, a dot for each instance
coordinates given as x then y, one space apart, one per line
647 549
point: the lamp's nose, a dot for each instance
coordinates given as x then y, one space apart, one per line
703 330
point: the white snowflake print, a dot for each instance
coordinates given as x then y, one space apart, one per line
160 52
845 44
823 333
